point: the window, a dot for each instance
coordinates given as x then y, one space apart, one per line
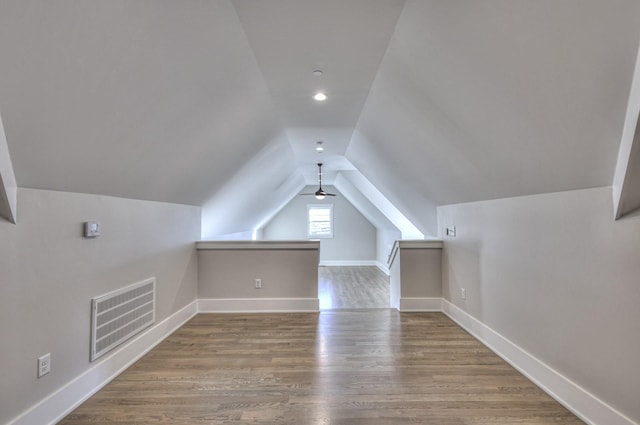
320 223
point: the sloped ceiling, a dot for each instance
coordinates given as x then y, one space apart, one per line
145 99
209 102
346 40
478 100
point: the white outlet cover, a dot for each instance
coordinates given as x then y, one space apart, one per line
44 365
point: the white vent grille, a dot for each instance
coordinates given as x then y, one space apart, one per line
119 315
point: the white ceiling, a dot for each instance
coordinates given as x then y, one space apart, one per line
140 99
346 40
209 102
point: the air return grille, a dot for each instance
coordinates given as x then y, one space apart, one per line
119 315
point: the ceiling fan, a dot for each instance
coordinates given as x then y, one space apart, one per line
320 193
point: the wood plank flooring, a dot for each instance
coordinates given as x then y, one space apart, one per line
352 287
375 366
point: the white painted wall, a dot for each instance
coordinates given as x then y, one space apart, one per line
395 287
247 202
557 276
384 243
420 273
354 237
374 205
288 274
49 273
408 206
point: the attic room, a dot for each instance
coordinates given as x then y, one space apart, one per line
498 137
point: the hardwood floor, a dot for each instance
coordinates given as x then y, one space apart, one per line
352 287
374 366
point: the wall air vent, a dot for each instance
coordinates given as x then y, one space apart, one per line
119 315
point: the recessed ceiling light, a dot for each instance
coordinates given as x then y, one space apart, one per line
320 96
317 73
319 147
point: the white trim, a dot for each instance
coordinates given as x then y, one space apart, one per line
64 400
251 245
258 305
349 263
8 185
583 404
56 406
421 244
383 268
420 304
628 142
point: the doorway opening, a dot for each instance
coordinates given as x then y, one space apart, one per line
352 287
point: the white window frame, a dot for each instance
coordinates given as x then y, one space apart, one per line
313 235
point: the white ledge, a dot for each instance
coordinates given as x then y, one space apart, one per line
421 244
258 245
8 186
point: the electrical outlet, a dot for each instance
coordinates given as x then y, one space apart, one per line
258 283
451 231
463 293
44 365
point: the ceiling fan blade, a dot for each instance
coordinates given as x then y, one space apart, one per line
323 193
320 191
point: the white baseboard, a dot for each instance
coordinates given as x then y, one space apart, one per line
420 304
348 263
383 267
583 404
258 305
59 404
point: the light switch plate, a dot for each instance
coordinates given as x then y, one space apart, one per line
91 229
